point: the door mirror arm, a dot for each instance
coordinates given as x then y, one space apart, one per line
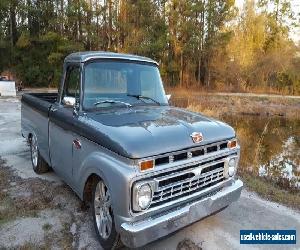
76 108
69 101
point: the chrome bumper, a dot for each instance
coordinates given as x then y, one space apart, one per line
142 232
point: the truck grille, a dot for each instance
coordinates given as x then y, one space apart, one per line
191 153
183 183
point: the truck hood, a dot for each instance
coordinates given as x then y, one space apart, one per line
140 132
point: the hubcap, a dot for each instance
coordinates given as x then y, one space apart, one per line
103 211
34 151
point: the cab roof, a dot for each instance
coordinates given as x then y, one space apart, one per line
80 57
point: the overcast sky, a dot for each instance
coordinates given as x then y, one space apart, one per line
295 33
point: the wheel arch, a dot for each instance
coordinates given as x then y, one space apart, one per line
87 190
116 175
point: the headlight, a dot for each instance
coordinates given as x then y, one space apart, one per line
230 167
142 196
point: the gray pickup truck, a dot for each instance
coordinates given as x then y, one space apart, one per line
146 168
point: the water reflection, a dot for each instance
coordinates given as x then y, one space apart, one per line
270 147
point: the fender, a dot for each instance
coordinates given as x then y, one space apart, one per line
116 174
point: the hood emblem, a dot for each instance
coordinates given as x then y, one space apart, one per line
197 137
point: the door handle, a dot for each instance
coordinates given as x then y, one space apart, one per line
53 109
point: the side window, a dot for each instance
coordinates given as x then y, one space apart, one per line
72 83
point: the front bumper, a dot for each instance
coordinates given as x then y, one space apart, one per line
142 232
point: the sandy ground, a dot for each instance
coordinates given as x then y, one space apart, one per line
60 221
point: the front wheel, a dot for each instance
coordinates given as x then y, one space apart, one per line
39 165
103 217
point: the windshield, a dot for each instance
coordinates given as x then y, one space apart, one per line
122 83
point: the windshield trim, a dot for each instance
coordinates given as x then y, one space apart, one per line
118 58
153 64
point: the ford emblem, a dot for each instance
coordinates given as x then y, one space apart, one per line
197 137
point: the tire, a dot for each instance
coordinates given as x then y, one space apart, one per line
103 217
39 165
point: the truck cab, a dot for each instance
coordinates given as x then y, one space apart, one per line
146 168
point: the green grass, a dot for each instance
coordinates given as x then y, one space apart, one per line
270 191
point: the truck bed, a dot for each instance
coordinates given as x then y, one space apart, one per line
34 117
48 97
40 102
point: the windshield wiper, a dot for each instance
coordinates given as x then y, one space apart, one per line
144 97
112 101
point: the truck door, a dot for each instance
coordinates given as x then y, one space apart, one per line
61 126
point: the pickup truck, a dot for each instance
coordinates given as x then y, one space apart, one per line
146 168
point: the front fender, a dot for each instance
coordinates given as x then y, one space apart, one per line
116 174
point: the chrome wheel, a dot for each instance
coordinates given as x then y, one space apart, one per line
103 210
34 151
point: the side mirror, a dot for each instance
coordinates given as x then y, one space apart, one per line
168 97
69 101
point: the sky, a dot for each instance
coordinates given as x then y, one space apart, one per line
294 33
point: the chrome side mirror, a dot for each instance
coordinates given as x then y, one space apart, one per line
168 97
69 101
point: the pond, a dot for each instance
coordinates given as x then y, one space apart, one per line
270 148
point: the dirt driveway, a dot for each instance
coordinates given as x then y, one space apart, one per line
42 212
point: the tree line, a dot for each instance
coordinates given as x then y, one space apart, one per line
198 43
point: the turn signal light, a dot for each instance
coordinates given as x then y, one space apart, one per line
146 165
232 144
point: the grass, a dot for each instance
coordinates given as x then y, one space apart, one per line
270 191
32 246
229 89
62 239
67 239
7 208
8 211
12 209
47 227
15 205
41 197
218 105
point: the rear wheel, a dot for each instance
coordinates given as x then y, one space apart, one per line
39 165
103 217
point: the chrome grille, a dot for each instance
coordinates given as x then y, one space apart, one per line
190 153
184 183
